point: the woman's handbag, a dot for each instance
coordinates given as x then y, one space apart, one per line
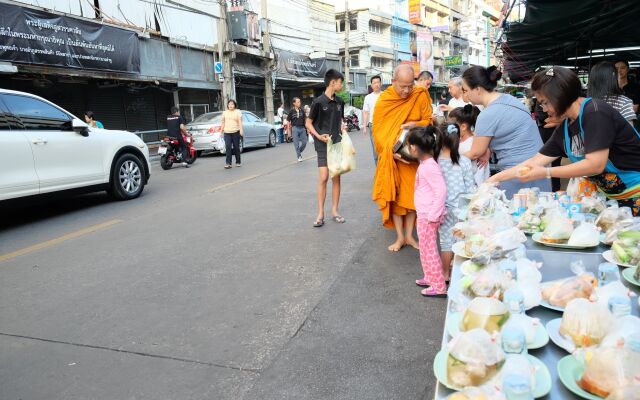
402 147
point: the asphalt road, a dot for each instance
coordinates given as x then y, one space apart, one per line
213 285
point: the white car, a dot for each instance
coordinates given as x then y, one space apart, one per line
47 149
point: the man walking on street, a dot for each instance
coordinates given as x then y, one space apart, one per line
367 111
297 119
175 126
324 122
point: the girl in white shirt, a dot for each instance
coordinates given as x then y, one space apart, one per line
466 117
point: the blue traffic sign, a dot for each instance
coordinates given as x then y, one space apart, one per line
218 68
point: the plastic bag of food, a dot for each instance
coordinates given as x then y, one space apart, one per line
341 156
581 187
586 234
630 392
499 245
558 230
489 282
602 294
531 220
608 368
585 323
474 358
517 369
609 216
486 313
626 249
559 292
623 225
593 205
622 329
528 325
487 199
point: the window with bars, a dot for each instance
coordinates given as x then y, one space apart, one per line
377 62
375 27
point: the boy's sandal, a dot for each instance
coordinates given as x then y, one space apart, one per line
318 223
431 292
339 219
422 283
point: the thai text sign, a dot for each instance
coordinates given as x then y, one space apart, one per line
37 37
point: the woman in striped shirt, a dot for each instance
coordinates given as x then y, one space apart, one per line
603 85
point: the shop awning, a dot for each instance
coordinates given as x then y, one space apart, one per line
571 33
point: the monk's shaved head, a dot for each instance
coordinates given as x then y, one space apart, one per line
403 80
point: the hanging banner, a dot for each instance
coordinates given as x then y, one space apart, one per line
414 12
36 37
300 65
425 50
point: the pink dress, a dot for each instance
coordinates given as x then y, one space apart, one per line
429 198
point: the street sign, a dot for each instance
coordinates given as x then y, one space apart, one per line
220 78
453 61
218 68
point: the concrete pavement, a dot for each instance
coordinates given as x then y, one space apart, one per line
214 285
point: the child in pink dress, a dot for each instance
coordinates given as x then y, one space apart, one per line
429 198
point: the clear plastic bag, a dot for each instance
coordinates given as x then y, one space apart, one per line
484 313
486 201
609 368
631 392
586 234
558 230
498 246
623 328
341 156
489 282
585 323
474 358
560 292
477 393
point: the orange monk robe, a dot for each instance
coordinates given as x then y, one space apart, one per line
394 181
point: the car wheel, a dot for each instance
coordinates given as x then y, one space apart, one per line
127 177
272 139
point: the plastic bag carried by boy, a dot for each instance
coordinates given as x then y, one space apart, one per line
341 156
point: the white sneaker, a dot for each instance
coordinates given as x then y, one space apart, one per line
299 159
184 164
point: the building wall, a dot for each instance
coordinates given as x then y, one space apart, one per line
324 38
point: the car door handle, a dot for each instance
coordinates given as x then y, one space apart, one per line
39 141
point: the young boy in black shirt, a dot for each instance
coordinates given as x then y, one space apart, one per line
325 121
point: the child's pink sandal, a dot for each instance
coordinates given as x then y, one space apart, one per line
422 283
431 292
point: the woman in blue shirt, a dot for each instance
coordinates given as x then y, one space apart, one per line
505 126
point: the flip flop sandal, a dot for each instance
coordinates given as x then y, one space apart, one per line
318 223
422 283
431 292
339 219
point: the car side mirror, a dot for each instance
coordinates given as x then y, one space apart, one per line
80 127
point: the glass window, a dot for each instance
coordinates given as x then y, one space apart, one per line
377 62
375 27
354 59
249 117
29 107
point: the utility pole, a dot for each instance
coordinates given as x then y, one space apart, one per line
228 84
268 82
347 56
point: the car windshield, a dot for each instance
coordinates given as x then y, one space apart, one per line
208 118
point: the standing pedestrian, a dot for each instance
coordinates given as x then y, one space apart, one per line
457 95
629 88
280 118
367 111
459 180
324 122
297 121
89 118
429 197
466 118
233 132
175 126
603 85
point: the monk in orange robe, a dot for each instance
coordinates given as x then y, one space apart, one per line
401 106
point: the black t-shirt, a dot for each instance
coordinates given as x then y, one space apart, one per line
296 117
327 115
604 128
632 91
173 125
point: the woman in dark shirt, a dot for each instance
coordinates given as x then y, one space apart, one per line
600 143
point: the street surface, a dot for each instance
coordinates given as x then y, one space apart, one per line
214 285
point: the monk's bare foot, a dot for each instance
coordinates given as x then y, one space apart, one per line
413 243
397 245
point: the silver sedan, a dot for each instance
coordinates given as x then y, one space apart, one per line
207 132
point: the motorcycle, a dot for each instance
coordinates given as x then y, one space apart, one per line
352 122
169 151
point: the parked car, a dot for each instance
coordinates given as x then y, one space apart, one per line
50 150
207 132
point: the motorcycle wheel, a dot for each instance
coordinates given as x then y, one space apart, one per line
191 160
165 163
